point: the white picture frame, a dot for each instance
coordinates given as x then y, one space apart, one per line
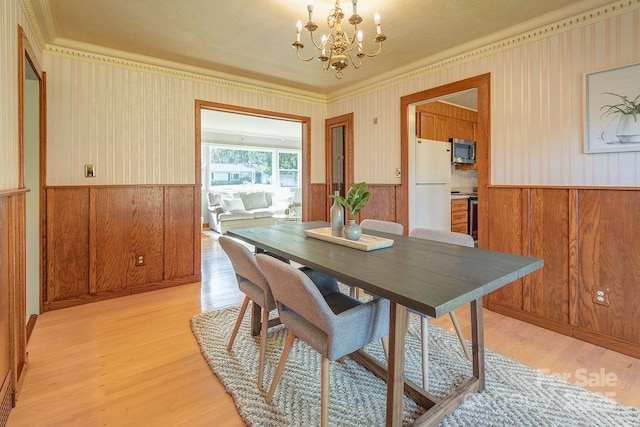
601 131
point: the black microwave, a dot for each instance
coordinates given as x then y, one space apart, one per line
463 151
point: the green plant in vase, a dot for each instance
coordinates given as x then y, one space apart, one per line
356 200
628 112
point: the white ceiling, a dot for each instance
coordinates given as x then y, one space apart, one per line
252 38
242 130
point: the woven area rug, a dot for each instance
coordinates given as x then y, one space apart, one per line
515 395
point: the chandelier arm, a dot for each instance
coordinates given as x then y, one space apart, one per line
371 55
356 62
317 46
304 59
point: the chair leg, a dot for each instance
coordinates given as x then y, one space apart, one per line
385 346
243 309
263 345
456 325
424 333
283 359
324 392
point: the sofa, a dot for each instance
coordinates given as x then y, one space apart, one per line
231 210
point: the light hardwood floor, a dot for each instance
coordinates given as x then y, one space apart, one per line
134 361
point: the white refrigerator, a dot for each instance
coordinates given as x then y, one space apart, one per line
432 185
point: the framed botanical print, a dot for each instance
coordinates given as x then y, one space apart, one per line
612 101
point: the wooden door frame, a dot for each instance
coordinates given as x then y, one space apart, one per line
19 332
305 146
483 84
345 120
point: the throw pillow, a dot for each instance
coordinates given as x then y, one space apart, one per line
256 200
214 199
233 205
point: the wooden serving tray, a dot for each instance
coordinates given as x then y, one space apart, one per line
365 243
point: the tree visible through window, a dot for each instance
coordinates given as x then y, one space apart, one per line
232 166
288 165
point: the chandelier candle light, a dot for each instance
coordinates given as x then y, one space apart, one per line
337 49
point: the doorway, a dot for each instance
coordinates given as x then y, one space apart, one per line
481 85
338 155
250 138
32 118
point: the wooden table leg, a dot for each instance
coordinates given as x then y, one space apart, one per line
395 372
477 341
256 317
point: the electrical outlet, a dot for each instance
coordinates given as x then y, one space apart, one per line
139 260
601 296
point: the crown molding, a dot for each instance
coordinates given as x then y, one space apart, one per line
34 26
88 52
507 39
563 20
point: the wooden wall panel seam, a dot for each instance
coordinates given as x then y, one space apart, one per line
525 198
573 254
93 244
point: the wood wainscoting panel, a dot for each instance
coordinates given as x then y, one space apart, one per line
505 235
589 241
549 239
608 260
318 209
108 241
67 273
179 229
382 204
129 224
5 324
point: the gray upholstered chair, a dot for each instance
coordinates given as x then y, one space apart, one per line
382 226
454 239
254 285
333 324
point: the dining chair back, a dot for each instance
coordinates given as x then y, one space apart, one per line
382 226
332 323
454 239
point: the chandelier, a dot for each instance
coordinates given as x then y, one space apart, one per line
338 49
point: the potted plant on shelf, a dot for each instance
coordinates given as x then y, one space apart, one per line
357 198
628 111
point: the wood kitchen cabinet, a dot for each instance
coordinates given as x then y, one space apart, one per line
459 216
462 129
441 121
432 126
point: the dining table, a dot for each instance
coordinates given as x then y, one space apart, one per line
429 277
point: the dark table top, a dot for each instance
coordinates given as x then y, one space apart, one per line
430 277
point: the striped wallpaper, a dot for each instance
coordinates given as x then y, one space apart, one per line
136 124
537 126
11 15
